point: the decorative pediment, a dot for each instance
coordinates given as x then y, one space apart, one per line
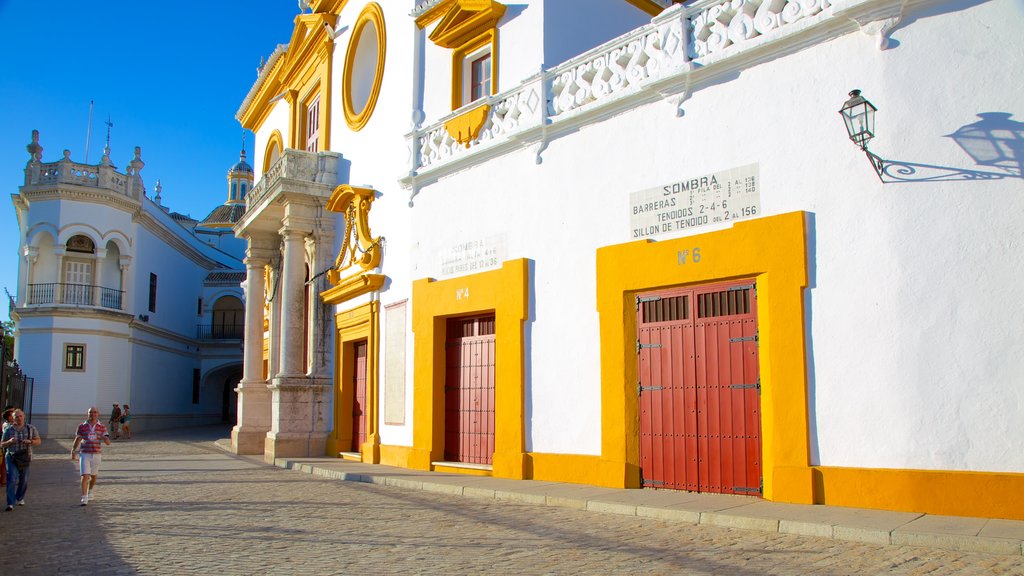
291 66
308 37
360 251
463 20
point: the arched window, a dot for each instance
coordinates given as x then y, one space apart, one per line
78 270
228 318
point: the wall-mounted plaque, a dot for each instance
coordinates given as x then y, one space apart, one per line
677 207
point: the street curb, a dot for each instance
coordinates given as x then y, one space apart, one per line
898 529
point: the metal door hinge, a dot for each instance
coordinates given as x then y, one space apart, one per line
646 299
753 338
640 389
640 346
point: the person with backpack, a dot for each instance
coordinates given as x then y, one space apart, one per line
17 442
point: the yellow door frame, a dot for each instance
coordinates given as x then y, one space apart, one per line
504 291
353 325
773 250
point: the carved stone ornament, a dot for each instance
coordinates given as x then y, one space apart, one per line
360 251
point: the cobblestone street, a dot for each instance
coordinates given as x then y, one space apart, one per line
176 504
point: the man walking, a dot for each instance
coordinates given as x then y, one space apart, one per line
18 440
90 434
115 421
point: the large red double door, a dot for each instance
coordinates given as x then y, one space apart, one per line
699 390
469 390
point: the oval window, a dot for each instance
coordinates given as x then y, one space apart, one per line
364 66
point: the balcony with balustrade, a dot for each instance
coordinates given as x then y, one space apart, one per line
682 50
79 295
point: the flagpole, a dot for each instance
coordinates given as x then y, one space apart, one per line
88 133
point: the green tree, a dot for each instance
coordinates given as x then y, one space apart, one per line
8 344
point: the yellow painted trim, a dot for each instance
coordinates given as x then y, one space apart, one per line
435 13
564 468
372 13
505 292
327 6
352 287
359 323
946 492
305 63
398 456
275 141
652 8
773 251
256 113
360 251
465 20
458 59
465 127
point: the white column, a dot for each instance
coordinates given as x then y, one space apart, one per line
252 367
97 278
254 397
123 287
31 257
58 291
291 293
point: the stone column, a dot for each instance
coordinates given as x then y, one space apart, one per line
299 399
249 435
293 286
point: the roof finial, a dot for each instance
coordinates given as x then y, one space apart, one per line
158 189
106 149
35 151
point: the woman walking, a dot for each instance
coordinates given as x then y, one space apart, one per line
126 422
17 442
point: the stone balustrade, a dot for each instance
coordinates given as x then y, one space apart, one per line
68 172
297 166
657 61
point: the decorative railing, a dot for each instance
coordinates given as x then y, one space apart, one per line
74 295
68 172
220 331
318 167
735 22
656 61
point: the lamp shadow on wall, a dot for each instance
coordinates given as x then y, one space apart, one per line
995 143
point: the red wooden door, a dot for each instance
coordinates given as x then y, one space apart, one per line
359 395
699 403
469 390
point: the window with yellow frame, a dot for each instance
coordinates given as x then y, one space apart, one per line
474 70
470 29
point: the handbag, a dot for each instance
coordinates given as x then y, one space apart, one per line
21 459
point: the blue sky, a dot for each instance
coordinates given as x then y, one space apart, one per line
169 75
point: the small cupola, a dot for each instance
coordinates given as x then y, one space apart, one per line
240 178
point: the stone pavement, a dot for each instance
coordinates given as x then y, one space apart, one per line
992 536
175 503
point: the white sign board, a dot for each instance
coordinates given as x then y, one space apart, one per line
473 256
708 199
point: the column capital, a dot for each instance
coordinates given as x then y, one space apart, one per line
254 262
291 233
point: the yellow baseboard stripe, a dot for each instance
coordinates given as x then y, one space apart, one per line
951 493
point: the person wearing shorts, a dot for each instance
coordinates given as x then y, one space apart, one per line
89 438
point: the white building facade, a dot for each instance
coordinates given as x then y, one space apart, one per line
121 301
629 243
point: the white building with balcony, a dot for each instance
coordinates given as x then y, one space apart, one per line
121 300
629 243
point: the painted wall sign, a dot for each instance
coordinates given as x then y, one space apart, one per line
708 199
473 256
